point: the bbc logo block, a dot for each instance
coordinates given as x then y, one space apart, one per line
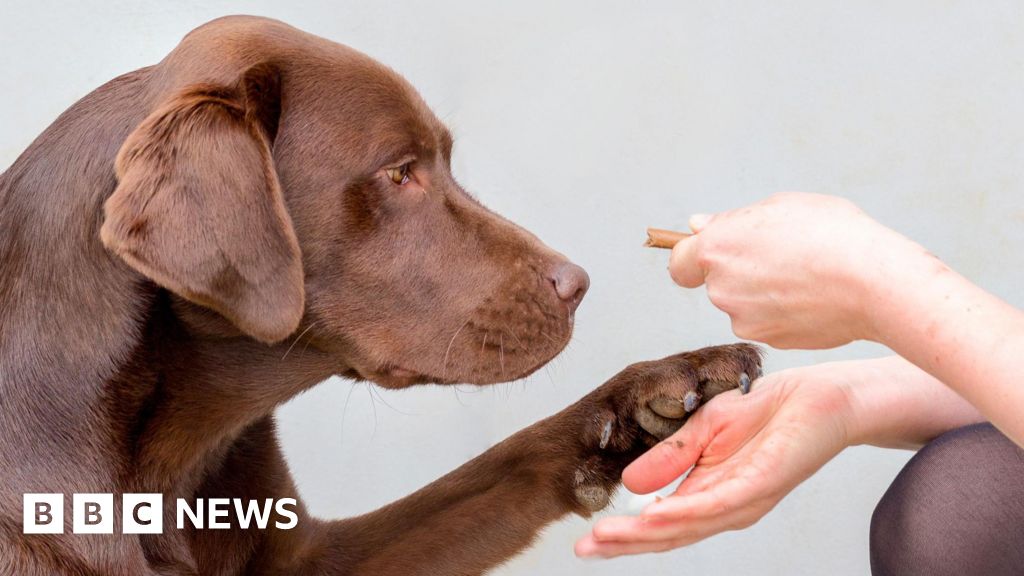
93 514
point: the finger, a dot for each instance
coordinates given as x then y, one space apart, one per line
719 500
683 265
667 460
626 530
700 480
588 547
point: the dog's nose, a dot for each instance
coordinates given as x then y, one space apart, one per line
571 283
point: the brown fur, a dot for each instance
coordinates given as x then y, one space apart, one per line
173 235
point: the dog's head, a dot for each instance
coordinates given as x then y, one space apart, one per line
298 189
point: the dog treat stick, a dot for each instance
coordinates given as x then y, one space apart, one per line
657 238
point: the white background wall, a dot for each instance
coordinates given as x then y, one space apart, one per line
587 121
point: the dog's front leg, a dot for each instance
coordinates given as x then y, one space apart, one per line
492 507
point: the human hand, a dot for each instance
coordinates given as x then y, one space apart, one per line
796 270
747 453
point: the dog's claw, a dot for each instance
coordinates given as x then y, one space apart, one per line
667 407
606 433
690 401
744 383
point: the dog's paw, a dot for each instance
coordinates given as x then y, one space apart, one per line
646 403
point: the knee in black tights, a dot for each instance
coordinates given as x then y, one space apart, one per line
956 508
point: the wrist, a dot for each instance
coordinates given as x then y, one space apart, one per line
850 396
823 400
895 282
894 404
863 399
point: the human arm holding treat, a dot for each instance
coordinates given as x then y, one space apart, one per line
846 278
812 271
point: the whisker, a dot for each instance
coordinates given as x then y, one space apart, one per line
344 411
444 375
308 342
380 397
374 405
296 341
472 389
457 398
525 348
548 336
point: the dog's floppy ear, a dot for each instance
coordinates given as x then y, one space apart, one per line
198 207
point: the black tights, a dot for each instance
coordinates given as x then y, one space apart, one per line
956 508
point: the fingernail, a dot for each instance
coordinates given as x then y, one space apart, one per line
699 221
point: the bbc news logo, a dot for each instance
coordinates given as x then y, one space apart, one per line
143 513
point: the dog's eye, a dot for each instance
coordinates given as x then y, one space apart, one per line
399 174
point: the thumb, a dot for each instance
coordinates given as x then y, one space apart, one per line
683 265
667 461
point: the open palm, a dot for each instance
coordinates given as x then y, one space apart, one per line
746 452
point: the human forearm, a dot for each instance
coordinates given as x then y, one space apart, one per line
963 336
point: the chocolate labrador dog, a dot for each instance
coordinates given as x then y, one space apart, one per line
172 238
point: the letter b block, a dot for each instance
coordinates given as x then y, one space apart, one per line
43 514
93 513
